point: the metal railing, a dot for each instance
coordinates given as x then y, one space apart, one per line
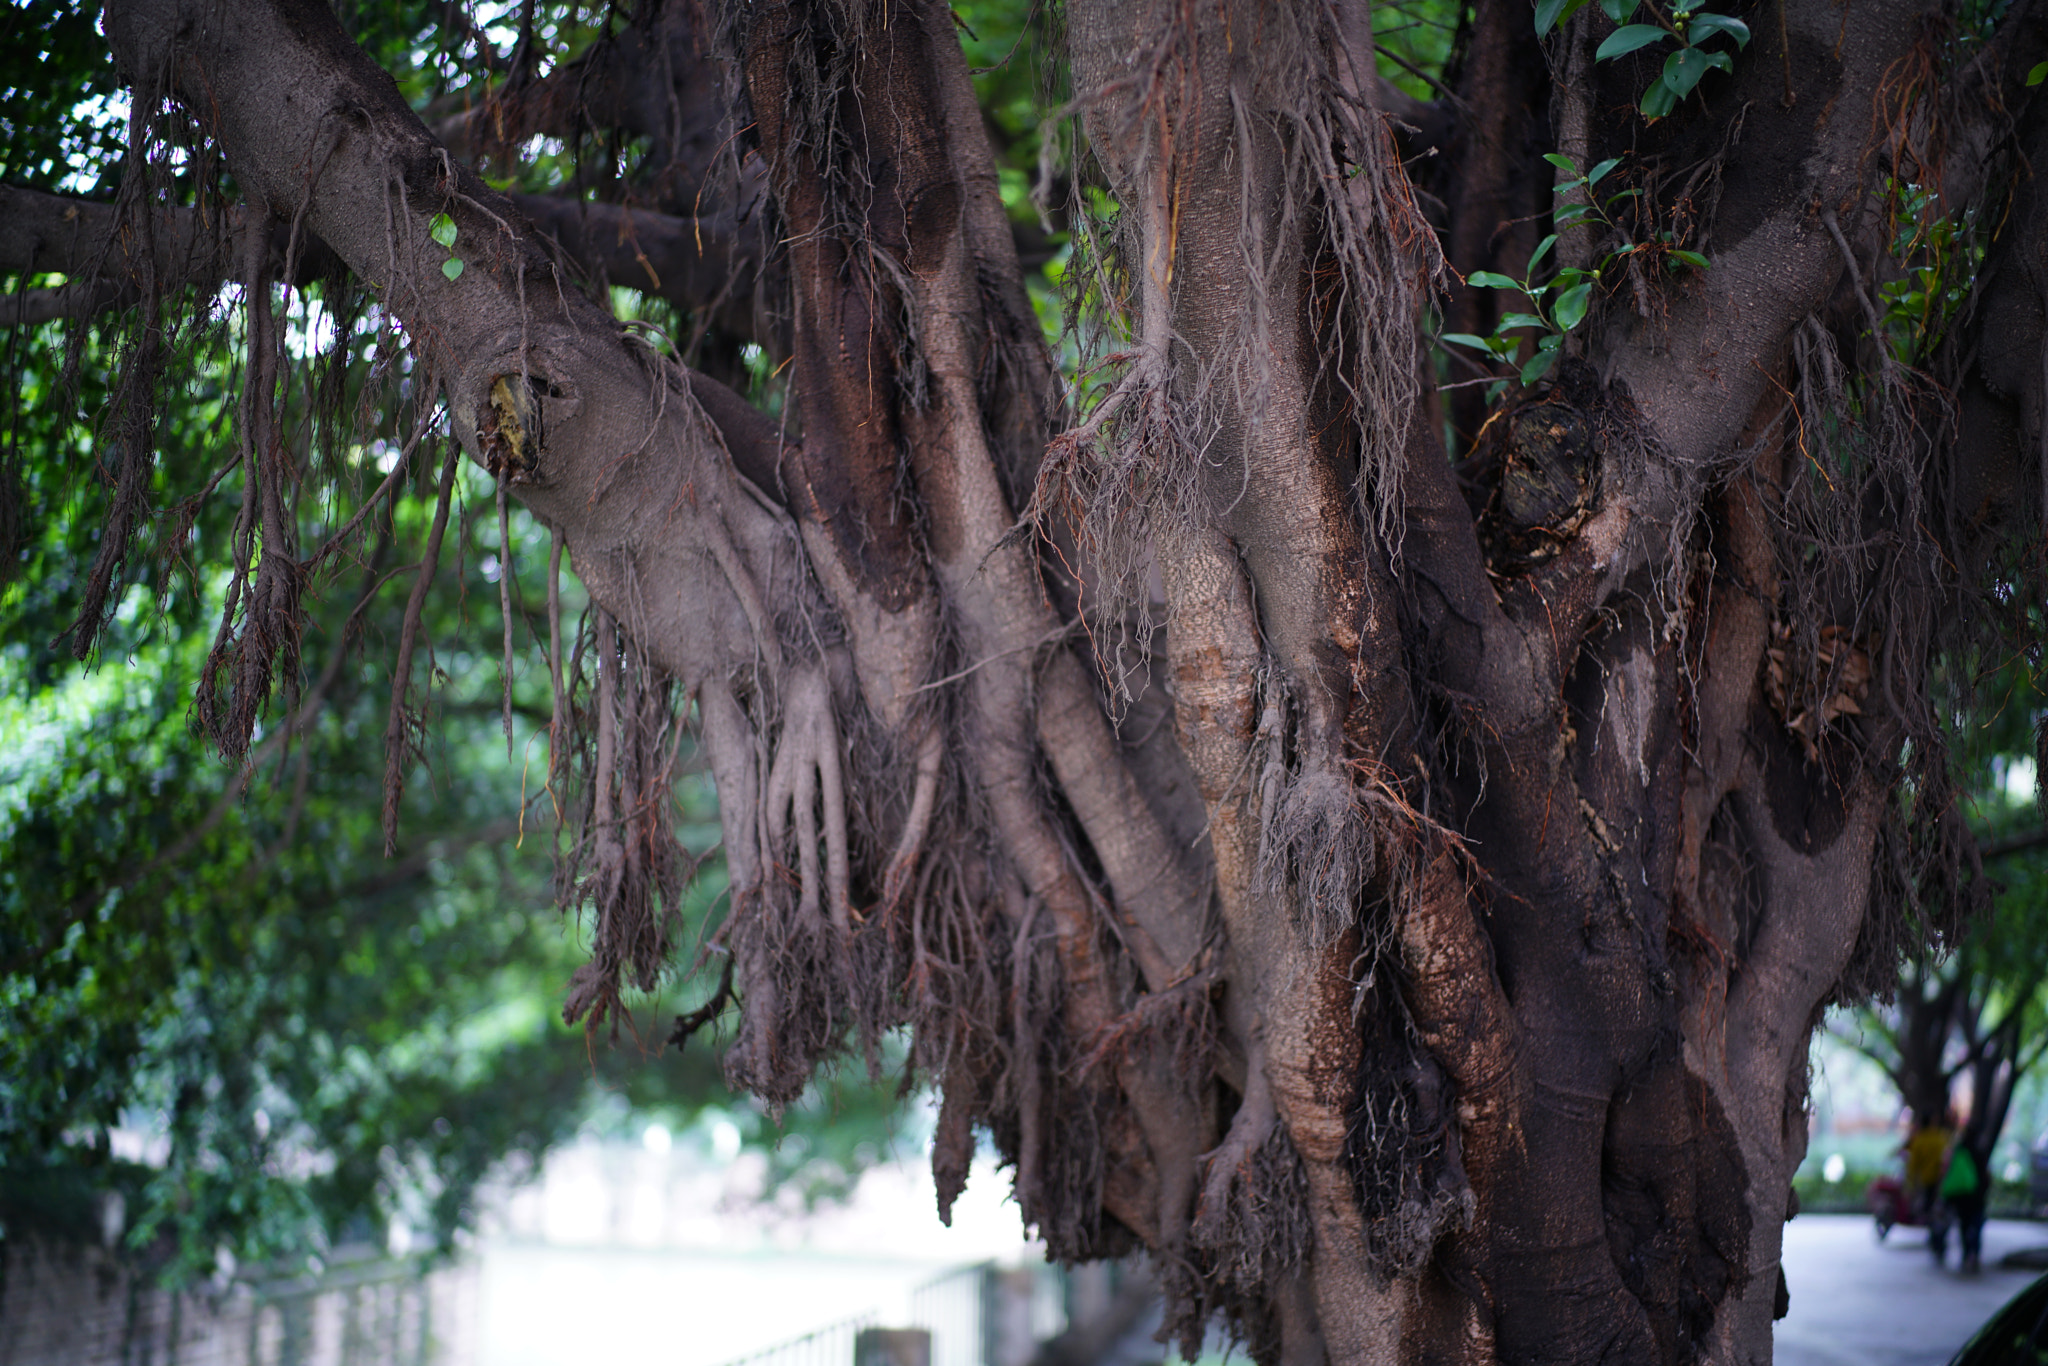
831 1345
977 1315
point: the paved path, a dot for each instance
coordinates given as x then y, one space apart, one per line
1859 1302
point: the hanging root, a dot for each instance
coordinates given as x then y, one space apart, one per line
808 968
1403 1145
806 782
401 729
1252 1218
634 869
924 798
1314 834
259 628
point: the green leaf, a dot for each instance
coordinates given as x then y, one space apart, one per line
1721 60
1551 342
1489 279
2038 74
1562 162
442 229
1549 14
1627 39
1571 306
1598 173
452 267
1691 258
1542 250
1514 321
1704 26
1659 100
1618 10
1538 366
1571 213
1683 69
1466 339
1617 197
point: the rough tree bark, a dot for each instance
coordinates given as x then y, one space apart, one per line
1395 893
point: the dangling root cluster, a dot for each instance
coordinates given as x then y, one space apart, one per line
1403 1141
626 864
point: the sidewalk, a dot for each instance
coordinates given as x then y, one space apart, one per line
1859 1302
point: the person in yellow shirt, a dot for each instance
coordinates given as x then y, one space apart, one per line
1926 1149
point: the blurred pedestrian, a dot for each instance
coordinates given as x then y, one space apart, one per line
1926 1150
1964 1190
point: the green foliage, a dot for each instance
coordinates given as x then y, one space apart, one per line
1682 68
219 963
63 114
1939 255
442 229
1414 39
1561 302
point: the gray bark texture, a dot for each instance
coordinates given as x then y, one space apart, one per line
1380 848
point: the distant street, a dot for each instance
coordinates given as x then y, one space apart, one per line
1859 1302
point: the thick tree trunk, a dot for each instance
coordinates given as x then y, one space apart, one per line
1437 986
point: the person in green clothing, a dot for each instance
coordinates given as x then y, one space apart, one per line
1963 1190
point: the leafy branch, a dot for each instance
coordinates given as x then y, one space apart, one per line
1560 303
1682 69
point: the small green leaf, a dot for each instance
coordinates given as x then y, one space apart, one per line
2038 74
1704 26
1683 69
1571 306
442 229
1515 321
1691 258
1659 100
1542 250
1568 277
1466 339
1562 162
1571 213
1551 342
1721 60
1627 39
452 267
1489 279
1618 10
1599 173
1538 366
1620 195
1552 14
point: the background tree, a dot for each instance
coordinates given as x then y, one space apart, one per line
1383 847
1977 1010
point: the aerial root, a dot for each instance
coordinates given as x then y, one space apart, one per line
807 776
1230 1161
399 728
633 868
931 756
1312 831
